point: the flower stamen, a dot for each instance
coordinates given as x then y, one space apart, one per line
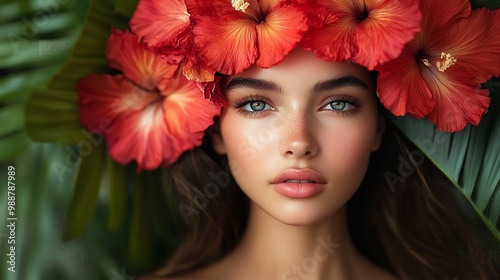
426 62
447 60
239 5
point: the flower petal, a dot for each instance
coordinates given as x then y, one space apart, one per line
186 110
137 125
139 64
334 41
369 32
386 30
160 22
198 73
317 14
439 15
279 34
331 35
143 136
223 37
401 87
104 98
212 91
130 119
459 100
475 43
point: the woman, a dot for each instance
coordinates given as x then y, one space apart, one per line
295 166
298 139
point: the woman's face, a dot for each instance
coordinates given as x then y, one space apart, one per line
298 135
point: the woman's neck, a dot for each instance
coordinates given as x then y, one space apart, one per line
295 252
270 249
274 250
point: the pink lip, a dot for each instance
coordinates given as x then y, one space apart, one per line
299 183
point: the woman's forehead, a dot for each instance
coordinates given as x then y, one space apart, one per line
302 67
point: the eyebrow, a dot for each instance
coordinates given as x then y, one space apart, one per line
345 81
254 84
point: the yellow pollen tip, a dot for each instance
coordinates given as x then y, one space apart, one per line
426 62
239 5
446 61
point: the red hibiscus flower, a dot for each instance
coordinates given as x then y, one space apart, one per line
151 113
368 32
439 74
231 36
164 26
160 22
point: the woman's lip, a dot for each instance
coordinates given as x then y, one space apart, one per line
299 183
299 190
299 175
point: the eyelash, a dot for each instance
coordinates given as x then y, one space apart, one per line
351 100
240 103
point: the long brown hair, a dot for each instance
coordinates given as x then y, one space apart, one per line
404 217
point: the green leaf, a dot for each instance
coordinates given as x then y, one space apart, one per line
52 113
17 85
470 158
118 194
140 240
125 8
13 145
85 193
53 38
473 161
35 40
492 4
10 11
490 180
52 116
11 118
165 207
13 138
495 207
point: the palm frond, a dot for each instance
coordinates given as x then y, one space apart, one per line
470 158
35 40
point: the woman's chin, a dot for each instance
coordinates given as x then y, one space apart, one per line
301 214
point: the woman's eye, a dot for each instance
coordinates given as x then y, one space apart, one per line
339 105
256 106
253 105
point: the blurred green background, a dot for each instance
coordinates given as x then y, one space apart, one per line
36 38
102 241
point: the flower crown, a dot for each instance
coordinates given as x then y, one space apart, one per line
431 56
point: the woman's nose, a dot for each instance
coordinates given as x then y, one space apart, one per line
299 137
